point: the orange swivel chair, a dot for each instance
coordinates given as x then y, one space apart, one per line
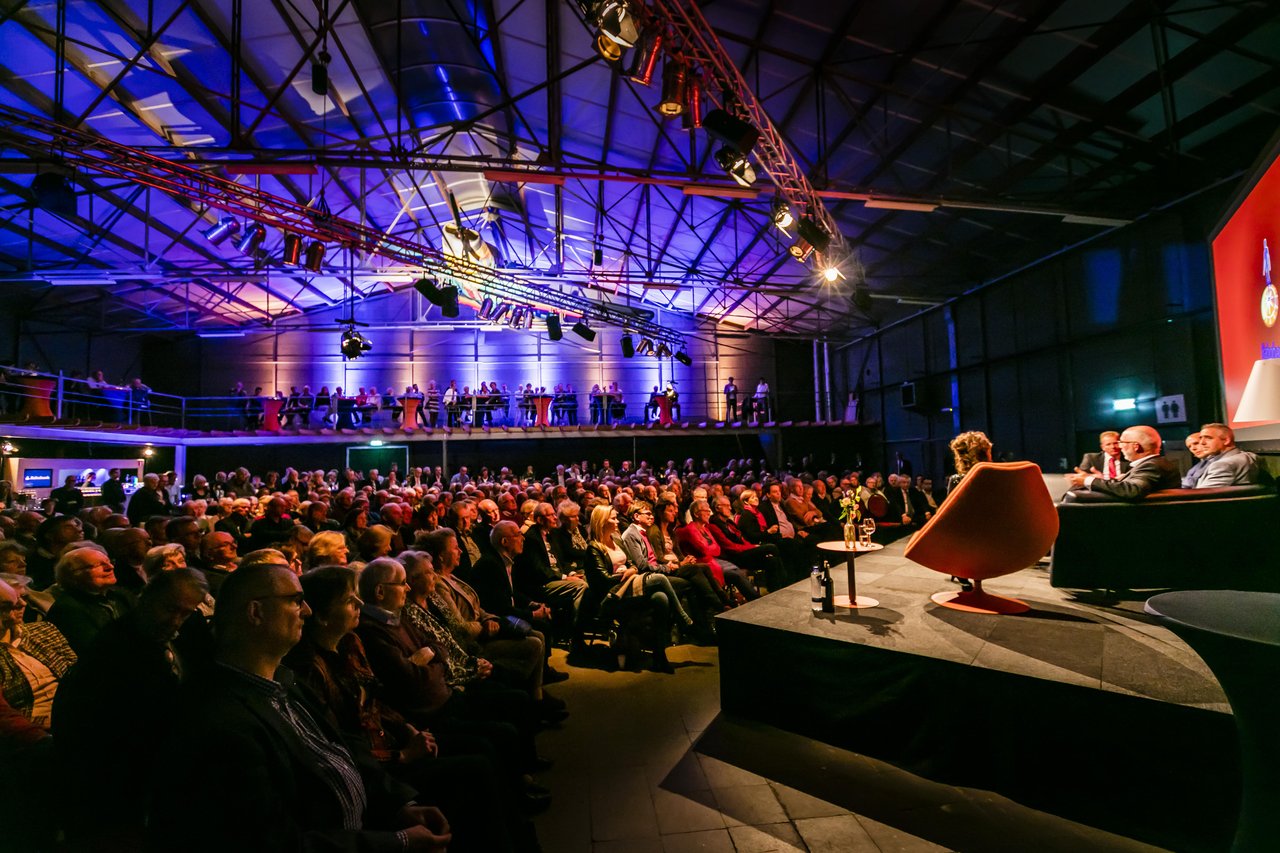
999 520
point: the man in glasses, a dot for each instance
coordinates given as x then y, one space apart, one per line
254 765
1148 470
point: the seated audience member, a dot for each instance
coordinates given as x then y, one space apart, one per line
517 657
129 674
1148 470
568 542
33 657
89 599
128 548
13 558
327 548
218 558
1108 463
735 545
316 516
1198 453
163 558
1225 464
184 531
330 659
52 538
539 574
274 526
610 575
665 542
905 503
254 766
699 542
374 542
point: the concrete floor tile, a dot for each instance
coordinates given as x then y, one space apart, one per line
723 775
800 805
749 804
697 810
707 841
838 834
621 807
769 838
891 840
629 845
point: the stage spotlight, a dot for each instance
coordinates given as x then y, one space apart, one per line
582 330
500 313
800 250
608 50
553 327
617 23
354 344
832 273
683 358
252 237
737 164
644 347
813 233
628 346
449 301
730 130
292 253
781 213
517 318
673 84
664 351
645 60
314 259
429 288
222 229
692 117
486 308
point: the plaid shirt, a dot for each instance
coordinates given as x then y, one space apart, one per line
44 642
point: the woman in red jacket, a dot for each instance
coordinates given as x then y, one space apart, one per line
697 540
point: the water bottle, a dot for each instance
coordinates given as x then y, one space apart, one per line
828 589
817 589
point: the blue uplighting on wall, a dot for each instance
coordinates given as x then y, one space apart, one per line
1102 276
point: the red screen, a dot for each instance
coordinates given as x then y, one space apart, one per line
1240 284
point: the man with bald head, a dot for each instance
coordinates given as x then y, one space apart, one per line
255 765
275 525
89 599
1148 470
147 501
218 558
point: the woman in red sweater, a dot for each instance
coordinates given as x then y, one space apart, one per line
697 540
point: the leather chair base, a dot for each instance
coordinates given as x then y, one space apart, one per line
980 602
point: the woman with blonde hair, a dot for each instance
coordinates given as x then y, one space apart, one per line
967 450
327 548
613 579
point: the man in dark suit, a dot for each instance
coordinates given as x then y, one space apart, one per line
499 594
1108 463
538 573
67 499
906 504
147 501
1148 470
113 491
250 746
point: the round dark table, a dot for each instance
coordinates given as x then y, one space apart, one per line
1238 636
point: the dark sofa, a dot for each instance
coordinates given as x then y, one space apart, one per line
1223 538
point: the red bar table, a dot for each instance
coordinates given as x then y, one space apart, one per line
271 414
543 404
664 410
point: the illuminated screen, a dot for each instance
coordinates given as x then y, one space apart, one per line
1245 288
37 478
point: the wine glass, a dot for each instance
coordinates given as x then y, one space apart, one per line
868 528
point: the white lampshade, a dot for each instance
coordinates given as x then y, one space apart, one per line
1261 398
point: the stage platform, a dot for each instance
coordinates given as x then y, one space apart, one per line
1094 713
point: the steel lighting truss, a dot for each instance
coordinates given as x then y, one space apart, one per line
39 137
691 39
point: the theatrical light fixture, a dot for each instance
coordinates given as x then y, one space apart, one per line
499 313
645 347
617 23
582 330
691 119
445 298
730 130
781 213
486 308
148 451
314 259
553 327
628 345
673 84
832 273
683 358
517 318
812 238
645 60
737 165
354 344
252 237
608 49
8 448
449 301
225 227
664 351
292 252
800 250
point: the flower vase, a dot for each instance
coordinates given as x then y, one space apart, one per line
850 534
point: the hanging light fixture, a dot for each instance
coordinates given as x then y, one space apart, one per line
645 60
292 252
251 238
354 344
812 238
517 318
582 330
781 214
673 88
554 332
503 309
225 227
644 347
664 351
486 308
737 165
628 345
617 23
608 49
691 119
314 259
683 358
